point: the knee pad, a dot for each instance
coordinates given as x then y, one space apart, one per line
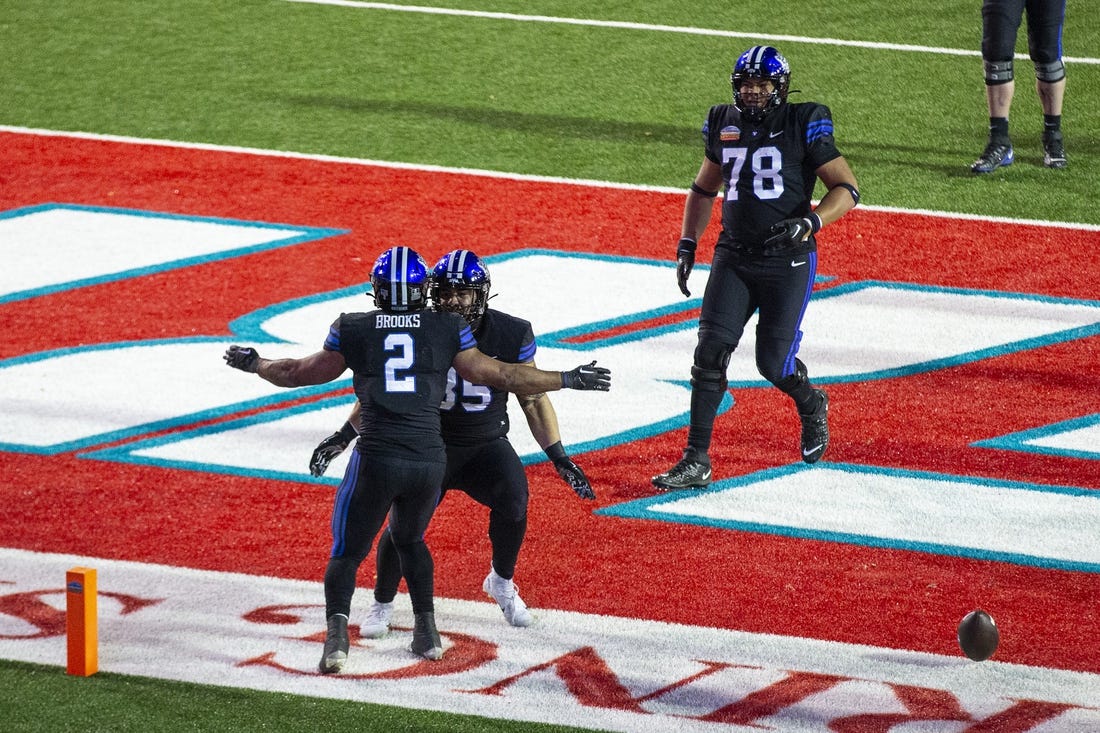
1050 72
998 72
708 380
712 355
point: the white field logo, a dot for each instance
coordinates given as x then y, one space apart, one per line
568 668
863 331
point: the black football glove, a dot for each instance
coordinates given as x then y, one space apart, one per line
331 447
685 260
587 376
572 474
791 233
244 358
325 451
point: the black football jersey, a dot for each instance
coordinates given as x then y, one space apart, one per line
400 363
476 413
768 168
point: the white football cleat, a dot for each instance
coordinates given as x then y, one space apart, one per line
377 623
505 593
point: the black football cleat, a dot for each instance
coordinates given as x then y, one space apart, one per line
336 645
1054 149
426 642
996 155
689 473
815 430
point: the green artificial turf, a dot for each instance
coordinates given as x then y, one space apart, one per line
603 103
39 698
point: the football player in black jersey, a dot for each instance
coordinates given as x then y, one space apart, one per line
1000 24
481 462
766 154
400 355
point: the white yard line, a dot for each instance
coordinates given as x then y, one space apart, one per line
15 129
625 25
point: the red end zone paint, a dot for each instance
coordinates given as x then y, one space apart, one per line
572 559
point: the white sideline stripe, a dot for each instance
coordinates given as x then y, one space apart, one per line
626 25
675 190
213 628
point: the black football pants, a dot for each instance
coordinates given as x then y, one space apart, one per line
778 288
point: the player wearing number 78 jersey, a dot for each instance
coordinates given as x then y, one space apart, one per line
766 155
399 356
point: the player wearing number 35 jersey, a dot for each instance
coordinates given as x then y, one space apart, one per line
765 156
399 355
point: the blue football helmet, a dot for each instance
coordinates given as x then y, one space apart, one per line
761 62
461 269
400 280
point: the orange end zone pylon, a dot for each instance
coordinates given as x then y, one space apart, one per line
81 622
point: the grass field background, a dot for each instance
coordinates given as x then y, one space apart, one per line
576 101
604 103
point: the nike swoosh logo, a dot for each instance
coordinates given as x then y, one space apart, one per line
798 264
706 476
775 134
813 450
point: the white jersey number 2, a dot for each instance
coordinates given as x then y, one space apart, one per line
402 344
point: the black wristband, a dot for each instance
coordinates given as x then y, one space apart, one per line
348 432
555 452
702 191
686 244
852 190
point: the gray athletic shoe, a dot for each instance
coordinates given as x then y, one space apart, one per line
336 645
689 473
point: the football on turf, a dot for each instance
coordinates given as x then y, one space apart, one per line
978 635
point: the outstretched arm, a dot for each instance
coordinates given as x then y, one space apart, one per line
323 366
478 368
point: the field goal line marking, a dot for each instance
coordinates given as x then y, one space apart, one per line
626 25
489 173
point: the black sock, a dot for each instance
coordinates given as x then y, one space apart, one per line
1052 123
506 537
387 565
704 409
998 129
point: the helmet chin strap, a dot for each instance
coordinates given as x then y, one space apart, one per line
754 113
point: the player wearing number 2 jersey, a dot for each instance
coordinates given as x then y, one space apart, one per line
481 462
399 355
767 155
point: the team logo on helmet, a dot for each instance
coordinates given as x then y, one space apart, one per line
761 62
400 280
461 269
